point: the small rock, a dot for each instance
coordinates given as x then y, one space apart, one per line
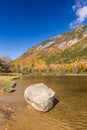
40 97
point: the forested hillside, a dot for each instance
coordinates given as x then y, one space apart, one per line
65 53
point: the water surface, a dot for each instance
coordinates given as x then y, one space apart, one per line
69 114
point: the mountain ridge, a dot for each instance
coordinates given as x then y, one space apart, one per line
59 42
66 48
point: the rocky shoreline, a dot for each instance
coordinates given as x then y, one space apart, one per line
6 113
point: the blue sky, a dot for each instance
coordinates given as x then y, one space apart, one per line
25 23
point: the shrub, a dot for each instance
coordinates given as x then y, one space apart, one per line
9 86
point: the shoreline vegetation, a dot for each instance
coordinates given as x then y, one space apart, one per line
13 76
7 83
52 73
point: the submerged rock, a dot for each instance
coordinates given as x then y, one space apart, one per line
40 97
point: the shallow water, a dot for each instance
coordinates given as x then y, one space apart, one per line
70 113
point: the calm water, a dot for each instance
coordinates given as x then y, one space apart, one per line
69 114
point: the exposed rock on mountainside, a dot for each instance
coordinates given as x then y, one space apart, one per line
61 42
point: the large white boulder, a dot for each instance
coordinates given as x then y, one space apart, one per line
40 97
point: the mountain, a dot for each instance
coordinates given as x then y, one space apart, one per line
62 51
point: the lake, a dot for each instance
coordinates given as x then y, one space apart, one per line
70 113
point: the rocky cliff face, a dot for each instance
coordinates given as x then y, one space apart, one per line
60 42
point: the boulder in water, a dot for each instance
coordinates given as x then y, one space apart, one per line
40 97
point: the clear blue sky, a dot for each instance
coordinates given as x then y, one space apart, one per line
25 23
